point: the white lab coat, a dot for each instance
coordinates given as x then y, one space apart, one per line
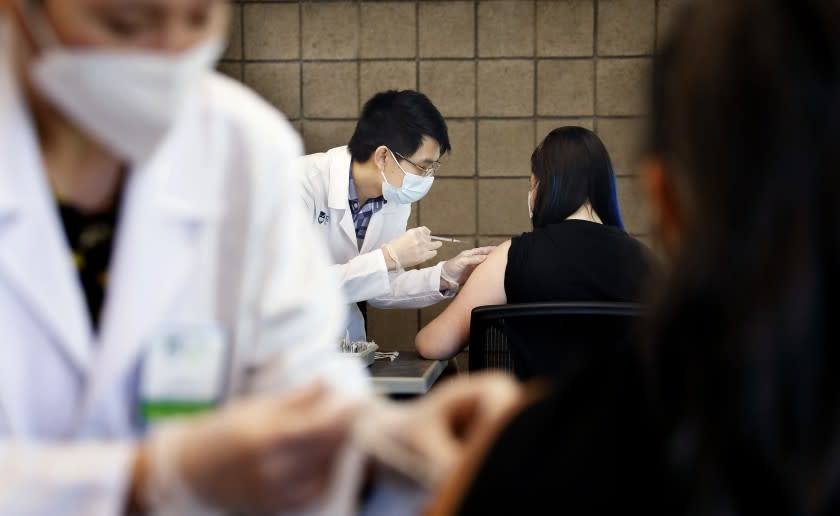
362 272
68 396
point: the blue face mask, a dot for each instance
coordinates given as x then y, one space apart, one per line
413 187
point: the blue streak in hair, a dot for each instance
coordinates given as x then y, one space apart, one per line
556 185
614 207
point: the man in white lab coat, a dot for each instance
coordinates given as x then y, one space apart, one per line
359 197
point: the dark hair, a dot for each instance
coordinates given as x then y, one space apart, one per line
746 343
399 120
572 166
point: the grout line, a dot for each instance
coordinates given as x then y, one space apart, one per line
241 65
417 46
358 59
656 26
616 57
300 72
475 118
536 77
502 118
595 56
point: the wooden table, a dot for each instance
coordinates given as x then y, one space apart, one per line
407 374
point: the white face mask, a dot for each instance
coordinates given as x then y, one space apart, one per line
530 209
413 187
126 100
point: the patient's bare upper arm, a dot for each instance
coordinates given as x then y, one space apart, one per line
448 332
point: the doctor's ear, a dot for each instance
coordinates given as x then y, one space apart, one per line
380 157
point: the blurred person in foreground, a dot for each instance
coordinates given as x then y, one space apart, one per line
154 264
733 404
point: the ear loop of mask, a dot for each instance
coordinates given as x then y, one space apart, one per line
382 170
34 21
398 164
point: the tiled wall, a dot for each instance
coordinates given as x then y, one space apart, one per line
503 73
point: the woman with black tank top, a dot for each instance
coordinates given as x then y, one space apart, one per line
578 250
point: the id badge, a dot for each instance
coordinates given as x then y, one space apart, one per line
183 371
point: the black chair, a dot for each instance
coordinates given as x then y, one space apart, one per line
553 340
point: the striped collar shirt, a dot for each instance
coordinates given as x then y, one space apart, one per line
362 214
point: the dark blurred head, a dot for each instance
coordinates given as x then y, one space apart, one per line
572 167
398 120
744 172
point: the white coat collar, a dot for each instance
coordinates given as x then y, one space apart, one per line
168 205
164 205
34 259
339 160
339 188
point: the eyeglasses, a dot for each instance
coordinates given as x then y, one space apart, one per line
426 172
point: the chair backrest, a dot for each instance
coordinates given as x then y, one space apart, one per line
549 339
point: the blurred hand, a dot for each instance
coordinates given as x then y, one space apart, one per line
412 247
260 455
456 271
425 439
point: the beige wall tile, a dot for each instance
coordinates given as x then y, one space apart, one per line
298 126
622 86
449 208
634 206
450 85
393 330
645 239
330 30
460 161
506 88
505 28
388 29
413 219
501 206
565 88
626 27
323 136
377 76
232 69
279 83
429 313
447 29
565 27
623 138
330 90
485 241
234 43
546 125
504 147
272 31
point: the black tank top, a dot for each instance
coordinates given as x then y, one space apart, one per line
576 260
